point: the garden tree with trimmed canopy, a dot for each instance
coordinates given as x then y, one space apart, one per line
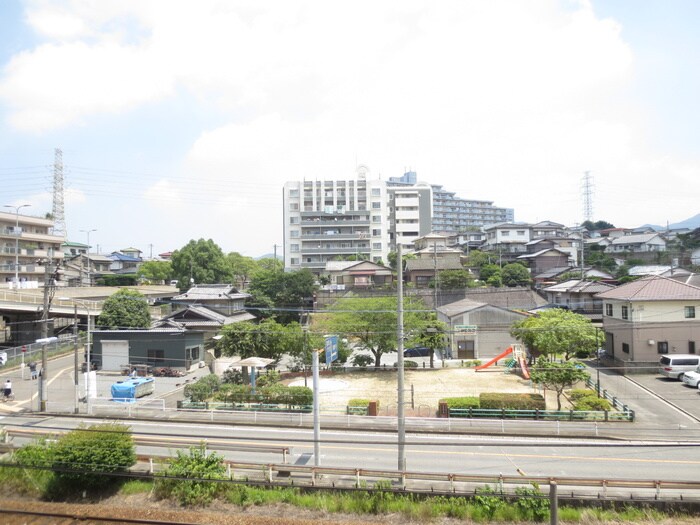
125 309
433 336
268 339
454 279
371 322
557 376
242 267
287 292
155 271
204 261
556 331
515 274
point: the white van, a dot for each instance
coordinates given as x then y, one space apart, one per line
675 365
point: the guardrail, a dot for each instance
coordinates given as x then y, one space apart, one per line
593 385
245 407
554 415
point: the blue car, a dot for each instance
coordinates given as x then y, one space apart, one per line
417 351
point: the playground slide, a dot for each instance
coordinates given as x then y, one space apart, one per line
499 356
522 361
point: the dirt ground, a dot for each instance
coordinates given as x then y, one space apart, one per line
424 388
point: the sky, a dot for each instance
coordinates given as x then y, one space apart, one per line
182 120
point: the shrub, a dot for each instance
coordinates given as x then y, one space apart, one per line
81 458
407 364
361 403
462 402
362 360
471 363
592 403
232 376
196 465
232 393
36 478
581 393
509 401
270 378
203 388
300 395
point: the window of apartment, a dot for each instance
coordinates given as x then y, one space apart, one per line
294 248
376 233
294 220
662 347
294 260
625 314
294 193
376 205
294 234
294 206
376 245
690 312
608 310
521 233
376 218
376 192
505 234
625 348
691 347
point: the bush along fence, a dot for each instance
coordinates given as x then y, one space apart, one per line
521 406
616 403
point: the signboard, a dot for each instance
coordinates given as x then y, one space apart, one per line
331 348
466 329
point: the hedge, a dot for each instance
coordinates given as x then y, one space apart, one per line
360 403
461 402
508 401
581 393
590 403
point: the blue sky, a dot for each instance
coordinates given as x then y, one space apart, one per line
182 120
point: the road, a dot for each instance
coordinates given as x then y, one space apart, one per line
425 452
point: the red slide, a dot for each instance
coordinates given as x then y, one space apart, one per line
499 356
523 367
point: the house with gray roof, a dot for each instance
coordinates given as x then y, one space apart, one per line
478 330
650 317
344 275
579 296
640 243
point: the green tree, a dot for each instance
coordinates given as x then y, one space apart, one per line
477 259
84 458
489 270
203 261
268 339
433 336
155 271
242 267
515 274
557 331
125 309
371 322
394 255
287 292
455 279
597 225
557 376
270 264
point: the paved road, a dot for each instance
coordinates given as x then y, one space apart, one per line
432 453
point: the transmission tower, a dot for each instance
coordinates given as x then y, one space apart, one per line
59 213
587 189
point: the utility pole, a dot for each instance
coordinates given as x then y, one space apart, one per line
435 276
399 335
44 337
76 409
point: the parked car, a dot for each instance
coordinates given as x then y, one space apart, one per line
692 378
417 351
676 365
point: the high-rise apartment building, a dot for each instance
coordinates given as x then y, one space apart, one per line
452 214
326 220
24 241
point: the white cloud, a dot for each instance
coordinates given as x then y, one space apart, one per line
506 101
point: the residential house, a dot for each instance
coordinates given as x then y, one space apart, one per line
207 308
432 257
478 330
650 317
344 275
123 263
544 260
579 296
641 243
84 269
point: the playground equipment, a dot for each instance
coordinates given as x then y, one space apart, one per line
519 355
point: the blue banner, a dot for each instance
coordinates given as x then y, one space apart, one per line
331 348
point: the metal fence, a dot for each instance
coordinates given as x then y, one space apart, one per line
33 352
554 415
614 400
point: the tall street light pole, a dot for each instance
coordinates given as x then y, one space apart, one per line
17 208
88 255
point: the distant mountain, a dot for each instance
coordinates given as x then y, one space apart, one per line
692 223
269 256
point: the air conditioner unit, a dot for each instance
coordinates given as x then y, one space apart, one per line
651 342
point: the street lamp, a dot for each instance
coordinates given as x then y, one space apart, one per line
17 208
88 255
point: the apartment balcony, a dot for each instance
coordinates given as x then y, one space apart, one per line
338 221
335 236
333 251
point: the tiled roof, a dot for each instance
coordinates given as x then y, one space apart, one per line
634 239
518 298
653 288
579 286
541 252
429 264
459 307
208 292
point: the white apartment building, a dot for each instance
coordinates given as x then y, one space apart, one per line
32 236
410 215
326 220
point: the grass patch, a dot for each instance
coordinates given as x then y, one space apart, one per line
136 486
